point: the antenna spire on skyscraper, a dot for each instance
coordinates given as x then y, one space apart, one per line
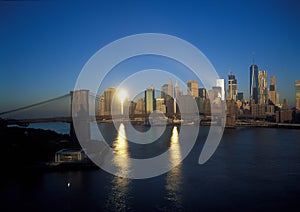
253 60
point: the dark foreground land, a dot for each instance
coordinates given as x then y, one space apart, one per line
26 147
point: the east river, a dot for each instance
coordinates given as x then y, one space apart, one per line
253 169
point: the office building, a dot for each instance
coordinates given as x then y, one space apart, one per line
272 91
164 91
132 107
170 88
149 100
109 94
160 105
232 87
192 88
284 115
254 84
240 96
140 106
202 93
221 83
262 88
215 93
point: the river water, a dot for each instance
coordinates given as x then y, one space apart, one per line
253 169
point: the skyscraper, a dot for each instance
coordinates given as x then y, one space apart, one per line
108 98
262 88
176 91
272 90
160 105
192 88
170 88
297 86
140 107
221 83
254 83
149 100
164 91
232 87
203 93
240 96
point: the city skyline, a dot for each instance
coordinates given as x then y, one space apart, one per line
266 90
45 45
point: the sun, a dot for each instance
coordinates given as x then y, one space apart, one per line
122 95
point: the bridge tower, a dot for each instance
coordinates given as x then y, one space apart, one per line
80 115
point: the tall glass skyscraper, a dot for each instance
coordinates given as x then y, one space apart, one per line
149 100
254 83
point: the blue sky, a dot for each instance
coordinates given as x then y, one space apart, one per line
45 44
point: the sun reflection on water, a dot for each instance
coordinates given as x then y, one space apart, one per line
174 178
118 196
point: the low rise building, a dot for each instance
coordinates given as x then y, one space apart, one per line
69 155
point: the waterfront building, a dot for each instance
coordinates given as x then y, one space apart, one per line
149 100
285 105
232 87
254 84
192 88
272 90
164 91
231 113
262 88
160 105
69 155
277 99
200 104
221 83
284 115
132 107
140 107
171 106
270 110
202 93
170 88
187 105
258 110
297 87
207 107
109 94
216 93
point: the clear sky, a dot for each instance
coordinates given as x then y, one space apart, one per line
45 44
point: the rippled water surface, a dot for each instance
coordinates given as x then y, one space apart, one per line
252 169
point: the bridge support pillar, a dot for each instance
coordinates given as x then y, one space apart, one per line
80 115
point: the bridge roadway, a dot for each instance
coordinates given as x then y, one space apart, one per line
69 119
